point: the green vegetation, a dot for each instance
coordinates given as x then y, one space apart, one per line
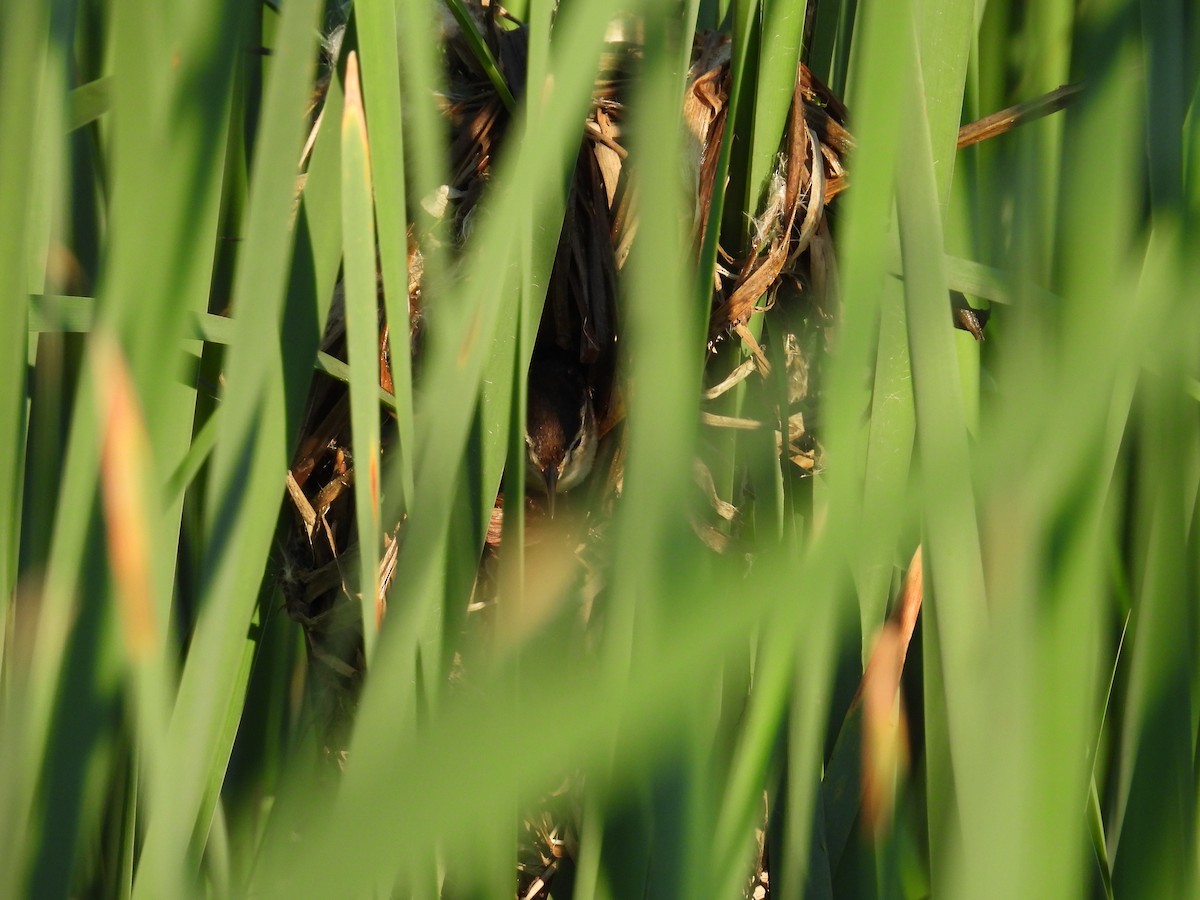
660 688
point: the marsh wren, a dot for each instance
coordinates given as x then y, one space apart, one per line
560 427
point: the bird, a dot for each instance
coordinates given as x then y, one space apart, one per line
561 433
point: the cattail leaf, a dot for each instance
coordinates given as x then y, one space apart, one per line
362 345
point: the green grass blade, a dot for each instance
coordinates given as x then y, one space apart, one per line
660 440
777 59
483 53
88 102
1096 833
362 346
945 33
721 221
22 52
381 88
247 465
956 596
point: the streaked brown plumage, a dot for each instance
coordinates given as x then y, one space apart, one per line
560 426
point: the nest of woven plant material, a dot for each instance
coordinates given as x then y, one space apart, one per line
322 545
786 265
548 843
789 254
809 174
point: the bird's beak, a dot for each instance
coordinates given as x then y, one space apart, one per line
550 477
